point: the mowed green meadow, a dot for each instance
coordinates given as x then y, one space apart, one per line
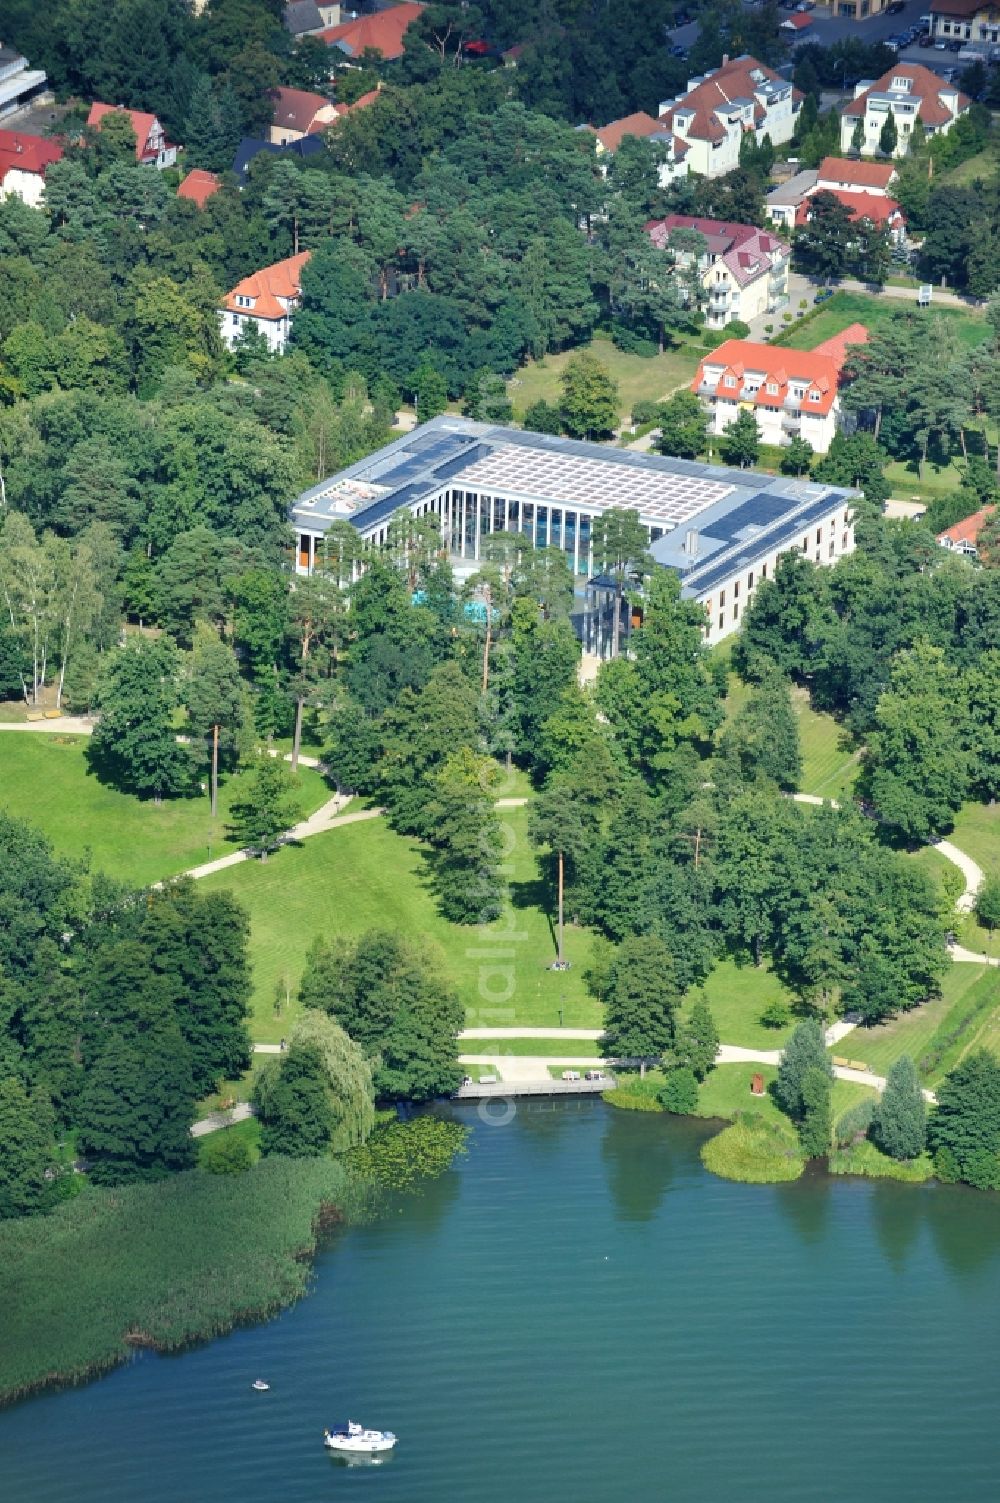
364 876
44 779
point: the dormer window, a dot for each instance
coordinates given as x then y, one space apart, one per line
904 85
729 381
772 388
814 396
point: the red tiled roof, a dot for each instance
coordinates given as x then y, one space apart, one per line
795 23
734 80
924 85
282 280
871 206
382 31
743 248
199 186
639 124
968 530
296 108
858 174
736 357
836 348
25 153
963 8
142 123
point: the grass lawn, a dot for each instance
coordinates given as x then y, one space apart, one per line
639 379
44 779
977 831
911 1033
985 165
246 1132
540 1048
874 312
364 876
737 995
829 764
937 480
726 1091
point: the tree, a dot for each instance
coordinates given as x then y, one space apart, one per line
858 135
542 417
564 818
589 406
290 1107
816 1122
27 1149
216 702
642 1000
621 550
266 809
762 739
797 456
466 833
291 1099
225 1153
392 998
135 1107
134 745
680 1093
963 1130
696 1041
988 902
899 1125
888 137
804 1052
683 426
822 246
430 393
916 769
740 441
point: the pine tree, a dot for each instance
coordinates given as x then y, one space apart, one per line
202 127
858 135
696 1042
805 1051
816 1124
642 1000
899 1126
888 138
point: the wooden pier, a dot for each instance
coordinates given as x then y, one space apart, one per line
501 1089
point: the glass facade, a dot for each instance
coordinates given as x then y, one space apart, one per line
469 517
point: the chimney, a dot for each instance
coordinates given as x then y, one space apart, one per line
691 542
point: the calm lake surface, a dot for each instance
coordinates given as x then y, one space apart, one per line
580 1312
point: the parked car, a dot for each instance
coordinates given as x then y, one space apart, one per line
940 45
571 1075
955 45
679 51
925 40
594 1075
823 294
995 54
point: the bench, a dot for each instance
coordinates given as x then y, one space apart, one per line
858 1064
35 715
840 1062
53 714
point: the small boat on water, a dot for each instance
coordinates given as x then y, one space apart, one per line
354 1440
259 1386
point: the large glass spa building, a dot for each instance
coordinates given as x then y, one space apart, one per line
722 530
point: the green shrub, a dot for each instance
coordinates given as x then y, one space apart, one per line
630 1100
680 1094
776 1014
646 412
737 329
852 1125
865 1159
224 1154
755 1151
400 1153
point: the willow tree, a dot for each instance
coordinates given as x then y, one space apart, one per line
346 1112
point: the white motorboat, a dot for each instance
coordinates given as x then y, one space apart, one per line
259 1386
355 1440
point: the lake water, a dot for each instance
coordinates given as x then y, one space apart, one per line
580 1312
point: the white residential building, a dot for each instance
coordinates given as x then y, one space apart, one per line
909 92
265 300
673 151
717 110
791 393
744 270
